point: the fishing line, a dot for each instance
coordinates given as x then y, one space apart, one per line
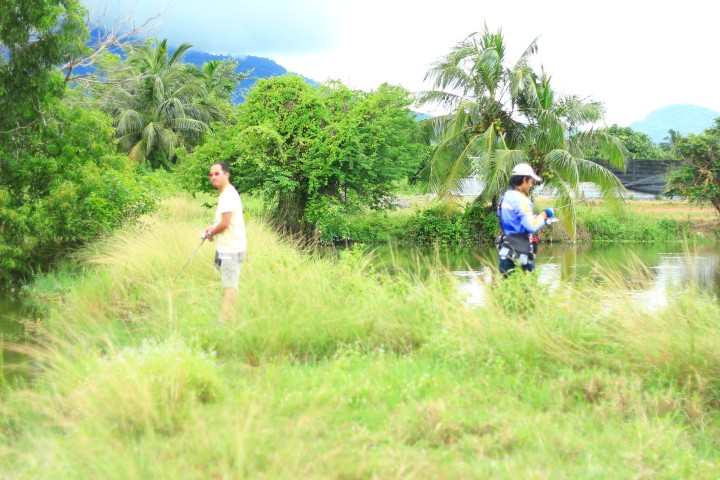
189 258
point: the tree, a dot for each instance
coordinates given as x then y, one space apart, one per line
639 145
122 33
34 38
66 185
698 179
61 182
369 143
669 142
156 101
316 153
501 116
481 92
555 145
221 77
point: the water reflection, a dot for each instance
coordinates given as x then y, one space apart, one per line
664 268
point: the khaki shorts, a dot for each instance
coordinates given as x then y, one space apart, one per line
229 265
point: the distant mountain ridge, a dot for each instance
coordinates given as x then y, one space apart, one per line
259 67
684 118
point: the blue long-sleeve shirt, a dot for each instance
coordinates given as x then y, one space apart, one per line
516 214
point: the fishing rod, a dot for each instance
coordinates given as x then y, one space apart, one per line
203 237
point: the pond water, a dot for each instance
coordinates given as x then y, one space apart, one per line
670 266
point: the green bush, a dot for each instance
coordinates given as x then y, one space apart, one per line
473 225
605 228
609 227
435 226
63 187
484 220
373 227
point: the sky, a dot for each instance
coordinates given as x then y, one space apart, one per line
634 56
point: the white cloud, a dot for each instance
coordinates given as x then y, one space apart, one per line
633 56
236 27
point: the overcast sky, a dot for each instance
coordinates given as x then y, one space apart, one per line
634 56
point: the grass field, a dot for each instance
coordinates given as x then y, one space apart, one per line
335 370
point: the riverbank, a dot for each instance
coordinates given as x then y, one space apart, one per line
335 370
422 220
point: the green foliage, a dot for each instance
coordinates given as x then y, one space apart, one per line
484 219
365 227
221 78
669 142
502 115
634 228
639 145
157 102
316 154
35 37
65 186
698 179
436 225
430 226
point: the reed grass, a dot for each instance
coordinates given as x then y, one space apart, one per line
334 369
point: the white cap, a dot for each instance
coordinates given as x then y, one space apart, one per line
525 170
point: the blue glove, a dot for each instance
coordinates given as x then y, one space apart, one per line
550 212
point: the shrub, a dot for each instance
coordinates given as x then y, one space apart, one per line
63 187
149 388
608 227
435 226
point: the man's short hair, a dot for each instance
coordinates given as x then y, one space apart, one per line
517 180
223 165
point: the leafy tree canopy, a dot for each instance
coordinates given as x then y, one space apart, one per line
698 179
639 145
502 114
65 186
157 102
315 153
35 36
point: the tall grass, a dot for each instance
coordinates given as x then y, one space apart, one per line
332 369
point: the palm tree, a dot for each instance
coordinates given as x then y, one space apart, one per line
554 142
670 141
481 92
502 116
157 103
221 77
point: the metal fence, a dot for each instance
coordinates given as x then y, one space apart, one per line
644 180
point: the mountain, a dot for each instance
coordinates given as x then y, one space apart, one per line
681 118
259 67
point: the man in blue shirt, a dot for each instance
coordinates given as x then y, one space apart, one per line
518 222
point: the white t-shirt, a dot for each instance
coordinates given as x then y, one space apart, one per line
232 239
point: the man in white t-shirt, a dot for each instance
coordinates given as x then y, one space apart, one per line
228 229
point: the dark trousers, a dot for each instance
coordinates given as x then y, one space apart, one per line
507 266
